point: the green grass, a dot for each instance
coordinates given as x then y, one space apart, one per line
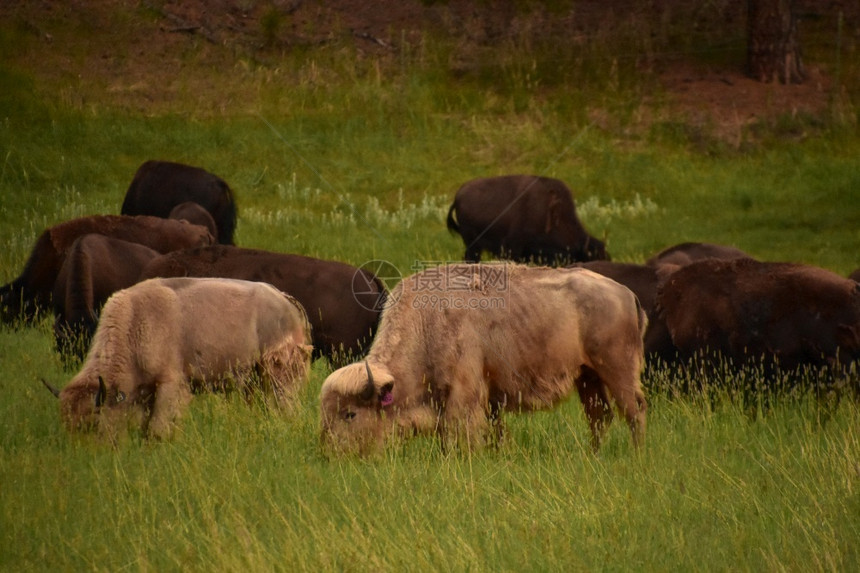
239 487
336 156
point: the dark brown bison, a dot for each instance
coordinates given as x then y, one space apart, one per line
781 316
643 280
855 276
31 292
686 253
195 214
464 343
342 301
95 267
159 186
524 218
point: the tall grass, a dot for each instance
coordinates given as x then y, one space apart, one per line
341 156
240 487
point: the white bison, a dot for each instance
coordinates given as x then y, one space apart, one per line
463 343
162 338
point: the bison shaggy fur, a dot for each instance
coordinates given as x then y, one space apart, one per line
463 343
160 339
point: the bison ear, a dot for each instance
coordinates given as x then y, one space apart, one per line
386 398
101 395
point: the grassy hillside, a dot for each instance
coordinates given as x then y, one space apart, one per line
340 148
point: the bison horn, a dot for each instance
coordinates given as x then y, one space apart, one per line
370 389
101 395
53 390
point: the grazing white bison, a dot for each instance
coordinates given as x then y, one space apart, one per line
465 342
160 339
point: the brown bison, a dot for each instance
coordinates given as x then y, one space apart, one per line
643 280
342 301
31 292
778 315
463 343
195 214
95 267
159 186
855 275
524 218
686 253
160 339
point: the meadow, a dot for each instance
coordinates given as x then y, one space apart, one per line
339 156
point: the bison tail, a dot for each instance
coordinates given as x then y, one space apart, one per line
452 224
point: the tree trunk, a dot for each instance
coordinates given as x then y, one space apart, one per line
773 51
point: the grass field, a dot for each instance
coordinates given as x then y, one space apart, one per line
336 156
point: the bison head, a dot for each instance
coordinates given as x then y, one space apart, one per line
83 404
20 304
357 404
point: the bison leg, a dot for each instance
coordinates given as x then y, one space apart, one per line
625 389
464 419
635 407
596 403
473 254
172 396
497 424
465 430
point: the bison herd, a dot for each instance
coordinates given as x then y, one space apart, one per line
159 303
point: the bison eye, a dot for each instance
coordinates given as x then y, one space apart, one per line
349 415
